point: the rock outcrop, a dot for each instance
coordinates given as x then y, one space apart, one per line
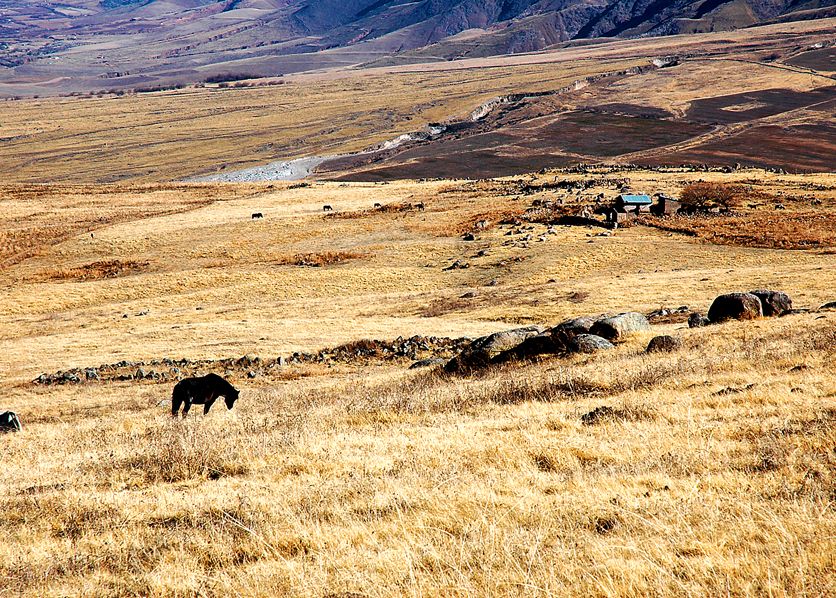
735 306
483 350
616 328
773 303
573 326
589 343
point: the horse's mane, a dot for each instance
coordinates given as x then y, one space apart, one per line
216 379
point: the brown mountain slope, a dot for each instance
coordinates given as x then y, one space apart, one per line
84 44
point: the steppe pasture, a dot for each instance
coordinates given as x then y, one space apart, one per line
450 200
712 471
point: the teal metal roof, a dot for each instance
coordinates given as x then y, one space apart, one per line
640 200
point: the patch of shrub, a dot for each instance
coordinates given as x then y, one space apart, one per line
711 194
324 258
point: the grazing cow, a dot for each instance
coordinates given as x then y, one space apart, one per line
419 207
202 391
377 206
257 215
327 208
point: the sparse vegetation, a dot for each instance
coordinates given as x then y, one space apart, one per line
324 258
799 230
101 269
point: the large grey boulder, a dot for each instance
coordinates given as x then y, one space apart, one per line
773 303
483 350
572 326
589 343
617 327
541 344
735 306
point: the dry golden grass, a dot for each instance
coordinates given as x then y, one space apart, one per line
387 483
37 216
372 479
798 230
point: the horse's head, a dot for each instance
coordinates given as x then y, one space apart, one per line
231 397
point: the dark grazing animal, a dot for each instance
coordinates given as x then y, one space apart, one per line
257 215
9 422
202 391
327 208
420 206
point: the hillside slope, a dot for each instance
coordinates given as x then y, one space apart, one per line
127 43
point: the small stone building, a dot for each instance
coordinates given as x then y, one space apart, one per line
665 206
633 204
627 206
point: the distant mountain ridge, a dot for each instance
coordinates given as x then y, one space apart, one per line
137 41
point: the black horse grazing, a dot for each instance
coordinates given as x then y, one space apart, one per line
257 215
202 391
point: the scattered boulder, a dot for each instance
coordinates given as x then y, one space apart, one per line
9 422
617 327
427 363
697 320
574 326
588 343
773 303
663 344
482 350
735 306
542 344
69 378
457 265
